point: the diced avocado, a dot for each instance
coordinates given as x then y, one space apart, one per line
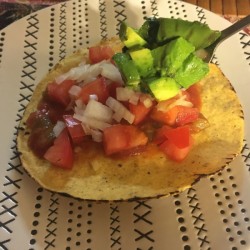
148 31
159 54
163 88
144 62
192 70
169 57
176 52
200 35
128 69
130 37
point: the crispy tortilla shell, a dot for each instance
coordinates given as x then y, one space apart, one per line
151 174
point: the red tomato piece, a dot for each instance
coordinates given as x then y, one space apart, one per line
173 152
179 136
59 93
75 129
60 154
98 87
174 142
194 95
100 53
168 117
140 111
118 138
186 115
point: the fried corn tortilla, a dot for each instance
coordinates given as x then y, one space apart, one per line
96 176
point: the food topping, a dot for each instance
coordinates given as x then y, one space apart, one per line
127 100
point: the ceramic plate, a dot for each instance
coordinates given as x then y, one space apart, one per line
213 214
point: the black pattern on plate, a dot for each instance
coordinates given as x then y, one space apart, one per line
181 220
14 170
115 230
62 31
154 8
245 42
52 37
103 19
143 224
197 218
120 14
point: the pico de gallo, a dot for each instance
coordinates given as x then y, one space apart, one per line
120 101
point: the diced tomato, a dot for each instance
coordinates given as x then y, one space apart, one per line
160 137
100 53
60 154
174 142
112 88
173 152
194 95
59 93
98 87
75 129
118 138
179 136
168 117
186 115
140 112
177 115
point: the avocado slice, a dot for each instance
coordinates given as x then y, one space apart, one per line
128 69
148 31
130 37
163 88
169 57
144 62
176 53
192 70
200 35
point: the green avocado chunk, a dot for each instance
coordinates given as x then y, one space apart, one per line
199 34
130 37
144 62
128 69
148 31
163 88
192 70
170 57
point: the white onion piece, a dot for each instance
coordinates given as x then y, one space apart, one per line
120 110
179 102
97 110
147 103
124 94
111 72
94 123
75 91
79 103
79 111
96 135
58 128
134 99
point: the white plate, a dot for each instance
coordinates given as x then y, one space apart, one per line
214 214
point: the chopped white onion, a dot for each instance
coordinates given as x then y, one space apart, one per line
134 99
96 135
75 91
58 128
97 110
147 103
179 102
79 103
94 123
111 72
120 110
124 94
